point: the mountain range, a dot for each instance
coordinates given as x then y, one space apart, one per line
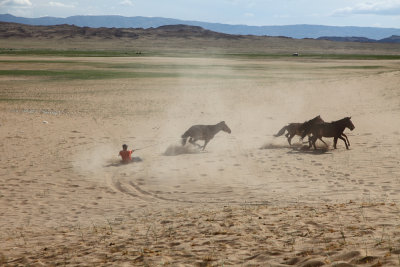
336 33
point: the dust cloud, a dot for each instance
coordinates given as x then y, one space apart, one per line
174 150
93 161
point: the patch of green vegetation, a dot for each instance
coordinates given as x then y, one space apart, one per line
102 74
84 74
254 55
68 63
354 67
159 66
134 65
41 61
28 100
354 57
313 56
184 54
70 53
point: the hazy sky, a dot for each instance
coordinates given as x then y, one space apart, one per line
380 13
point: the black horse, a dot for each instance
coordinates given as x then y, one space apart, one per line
296 128
333 129
203 132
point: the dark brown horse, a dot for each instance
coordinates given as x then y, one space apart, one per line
333 129
297 128
203 132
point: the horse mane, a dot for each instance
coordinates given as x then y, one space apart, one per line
341 120
306 126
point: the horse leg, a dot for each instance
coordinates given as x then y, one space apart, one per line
320 138
309 141
205 143
314 139
334 142
193 142
289 139
344 140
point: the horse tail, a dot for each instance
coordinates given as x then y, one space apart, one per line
282 131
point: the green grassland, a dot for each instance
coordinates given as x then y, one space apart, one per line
218 54
66 76
83 74
50 65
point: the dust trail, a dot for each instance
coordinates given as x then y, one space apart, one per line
93 160
174 150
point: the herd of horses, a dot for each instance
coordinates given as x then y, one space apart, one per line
315 129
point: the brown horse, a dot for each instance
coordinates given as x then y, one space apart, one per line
333 129
203 132
297 128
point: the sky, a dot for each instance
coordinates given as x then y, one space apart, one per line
380 13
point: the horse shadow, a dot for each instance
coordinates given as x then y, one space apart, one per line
298 149
271 146
306 150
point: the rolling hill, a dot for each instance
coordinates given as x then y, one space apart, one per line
294 31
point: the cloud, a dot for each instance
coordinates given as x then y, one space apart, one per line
58 4
246 3
126 3
387 7
16 3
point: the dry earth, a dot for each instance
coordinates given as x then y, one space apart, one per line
248 200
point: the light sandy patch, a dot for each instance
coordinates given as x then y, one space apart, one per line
249 199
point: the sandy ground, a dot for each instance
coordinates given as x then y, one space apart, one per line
248 200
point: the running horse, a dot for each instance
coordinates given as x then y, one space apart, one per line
296 128
203 132
333 129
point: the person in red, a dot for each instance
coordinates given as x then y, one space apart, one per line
126 154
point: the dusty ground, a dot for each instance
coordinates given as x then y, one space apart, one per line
248 200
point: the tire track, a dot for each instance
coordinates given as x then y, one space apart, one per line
134 190
138 189
127 189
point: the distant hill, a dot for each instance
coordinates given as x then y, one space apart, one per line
294 31
347 39
173 39
391 39
64 31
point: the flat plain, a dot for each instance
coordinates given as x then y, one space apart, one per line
249 199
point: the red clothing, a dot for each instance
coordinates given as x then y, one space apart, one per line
126 155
